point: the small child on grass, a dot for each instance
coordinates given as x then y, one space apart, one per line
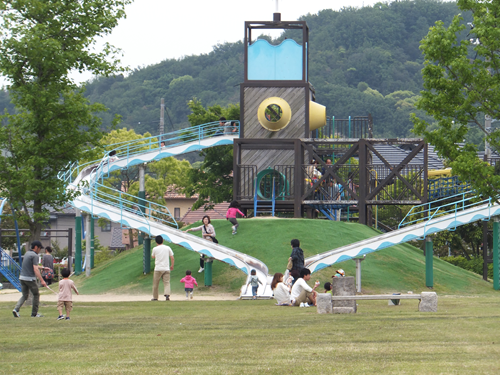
189 283
328 288
65 298
254 281
231 213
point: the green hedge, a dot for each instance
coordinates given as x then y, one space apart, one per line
475 265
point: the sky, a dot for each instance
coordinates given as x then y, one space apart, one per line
156 30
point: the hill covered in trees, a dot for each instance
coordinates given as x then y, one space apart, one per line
361 60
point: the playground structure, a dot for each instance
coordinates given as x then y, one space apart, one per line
281 128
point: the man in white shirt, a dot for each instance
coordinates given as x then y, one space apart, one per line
162 254
303 293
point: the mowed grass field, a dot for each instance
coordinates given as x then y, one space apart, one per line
396 269
254 337
257 337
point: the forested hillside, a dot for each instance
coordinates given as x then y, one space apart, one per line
362 60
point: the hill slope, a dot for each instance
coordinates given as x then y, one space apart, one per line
397 269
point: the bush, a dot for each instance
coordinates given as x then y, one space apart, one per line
474 265
103 255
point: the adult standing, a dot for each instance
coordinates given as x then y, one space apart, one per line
48 262
29 273
297 256
164 263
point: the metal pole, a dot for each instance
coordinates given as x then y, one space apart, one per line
92 243
496 283
208 271
358 275
78 242
146 255
87 246
162 116
142 196
429 277
70 249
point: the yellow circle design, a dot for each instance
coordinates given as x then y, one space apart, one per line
274 114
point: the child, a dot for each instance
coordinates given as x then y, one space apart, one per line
189 283
65 297
328 288
339 273
231 214
254 281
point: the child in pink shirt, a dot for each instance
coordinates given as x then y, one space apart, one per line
65 298
189 283
231 214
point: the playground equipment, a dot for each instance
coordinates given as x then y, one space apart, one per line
8 266
148 217
420 222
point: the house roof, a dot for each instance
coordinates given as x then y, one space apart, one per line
395 155
218 212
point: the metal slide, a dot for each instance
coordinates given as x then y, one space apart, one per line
150 217
421 221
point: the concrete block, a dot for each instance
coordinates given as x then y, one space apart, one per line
344 310
428 302
324 303
344 286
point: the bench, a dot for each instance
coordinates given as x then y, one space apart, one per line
428 301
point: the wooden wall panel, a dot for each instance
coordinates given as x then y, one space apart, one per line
294 96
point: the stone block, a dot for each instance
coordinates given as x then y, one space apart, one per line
344 310
324 303
344 286
428 302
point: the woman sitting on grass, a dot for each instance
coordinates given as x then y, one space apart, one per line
280 290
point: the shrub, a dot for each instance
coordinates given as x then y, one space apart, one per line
474 265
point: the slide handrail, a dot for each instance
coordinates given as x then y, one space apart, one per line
441 207
129 149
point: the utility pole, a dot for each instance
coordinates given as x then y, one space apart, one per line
162 116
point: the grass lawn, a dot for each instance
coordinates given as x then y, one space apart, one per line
254 337
396 269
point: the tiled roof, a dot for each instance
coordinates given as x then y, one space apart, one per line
116 239
395 155
218 212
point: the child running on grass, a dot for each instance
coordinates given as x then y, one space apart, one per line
254 281
189 283
231 213
65 298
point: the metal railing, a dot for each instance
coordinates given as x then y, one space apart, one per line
10 269
125 202
129 149
434 210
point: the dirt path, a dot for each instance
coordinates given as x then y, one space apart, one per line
10 295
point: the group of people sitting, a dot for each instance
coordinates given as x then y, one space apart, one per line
292 288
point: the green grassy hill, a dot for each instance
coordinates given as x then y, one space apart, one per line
397 269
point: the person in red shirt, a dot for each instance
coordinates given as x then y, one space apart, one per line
231 213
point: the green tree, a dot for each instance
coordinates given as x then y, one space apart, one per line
213 180
462 84
41 43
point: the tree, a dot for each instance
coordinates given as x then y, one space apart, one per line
213 181
41 43
462 85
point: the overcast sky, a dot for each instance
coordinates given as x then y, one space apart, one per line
156 30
